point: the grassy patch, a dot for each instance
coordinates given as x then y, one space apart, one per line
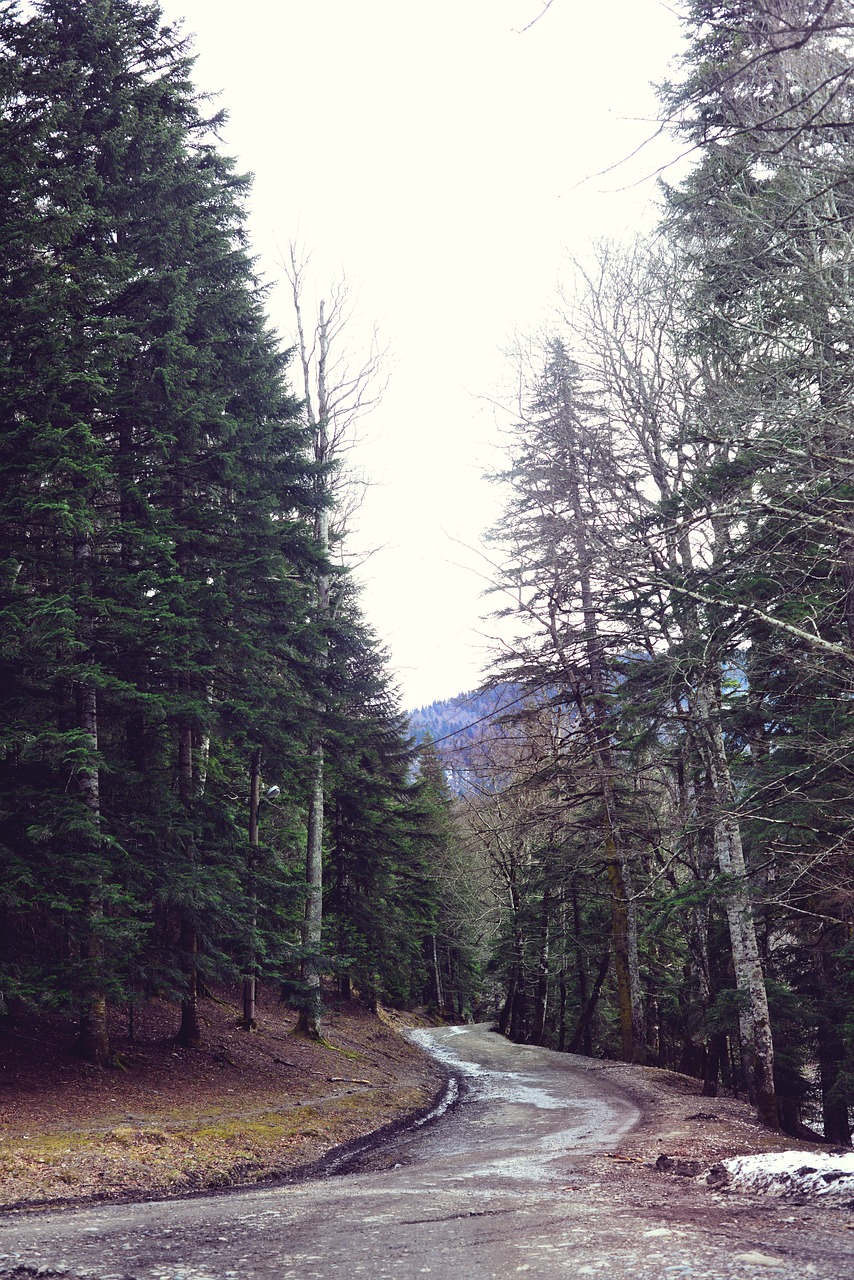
192 1150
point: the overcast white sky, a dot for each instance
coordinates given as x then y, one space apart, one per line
435 153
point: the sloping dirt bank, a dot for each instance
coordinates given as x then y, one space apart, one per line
669 1164
678 1122
164 1121
248 1108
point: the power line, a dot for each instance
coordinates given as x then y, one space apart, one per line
489 715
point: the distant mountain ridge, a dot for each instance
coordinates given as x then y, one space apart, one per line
460 714
455 724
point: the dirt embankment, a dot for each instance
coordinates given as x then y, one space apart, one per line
677 1121
251 1107
682 1137
165 1120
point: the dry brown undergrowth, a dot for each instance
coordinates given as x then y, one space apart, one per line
165 1120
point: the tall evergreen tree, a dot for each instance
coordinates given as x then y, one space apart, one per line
152 482
383 844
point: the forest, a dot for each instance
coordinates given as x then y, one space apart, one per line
205 774
635 840
664 818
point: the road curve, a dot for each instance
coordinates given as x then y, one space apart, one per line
511 1183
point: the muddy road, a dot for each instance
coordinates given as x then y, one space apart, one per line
517 1180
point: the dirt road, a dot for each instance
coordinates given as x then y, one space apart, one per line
517 1181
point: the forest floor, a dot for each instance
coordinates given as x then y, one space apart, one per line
682 1138
254 1107
245 1108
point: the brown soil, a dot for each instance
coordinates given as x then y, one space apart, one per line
679 1122
251 1107
675 1151
166 1120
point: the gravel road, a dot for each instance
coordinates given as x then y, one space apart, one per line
518 1180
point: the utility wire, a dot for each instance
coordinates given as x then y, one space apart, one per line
489 716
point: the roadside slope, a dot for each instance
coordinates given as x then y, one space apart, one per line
248 1108
165 1120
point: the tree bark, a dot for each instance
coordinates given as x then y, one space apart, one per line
620 935
249 1022
310 1015
582 1031
754 1018
538 1027
581 971
507 1008
831 1058
93 1041
437 977
189 1032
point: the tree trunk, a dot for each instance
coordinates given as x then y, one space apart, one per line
93 1041
189 1032
620 935
582 1031
249 1022
561 1043
309 1023
507 1008
519 1015
519 1005
581 971
715 1055
834 1102
831 1058
538 1027
437 978
653 1028
754 1019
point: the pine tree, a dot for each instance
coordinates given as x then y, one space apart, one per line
553 526
380 874
153 489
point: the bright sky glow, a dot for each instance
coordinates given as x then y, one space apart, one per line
437 155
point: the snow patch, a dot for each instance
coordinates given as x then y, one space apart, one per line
449 1097
425 1038
784 1173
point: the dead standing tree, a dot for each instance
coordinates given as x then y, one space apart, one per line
553 537
338 390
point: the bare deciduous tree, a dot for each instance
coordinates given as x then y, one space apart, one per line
337 391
